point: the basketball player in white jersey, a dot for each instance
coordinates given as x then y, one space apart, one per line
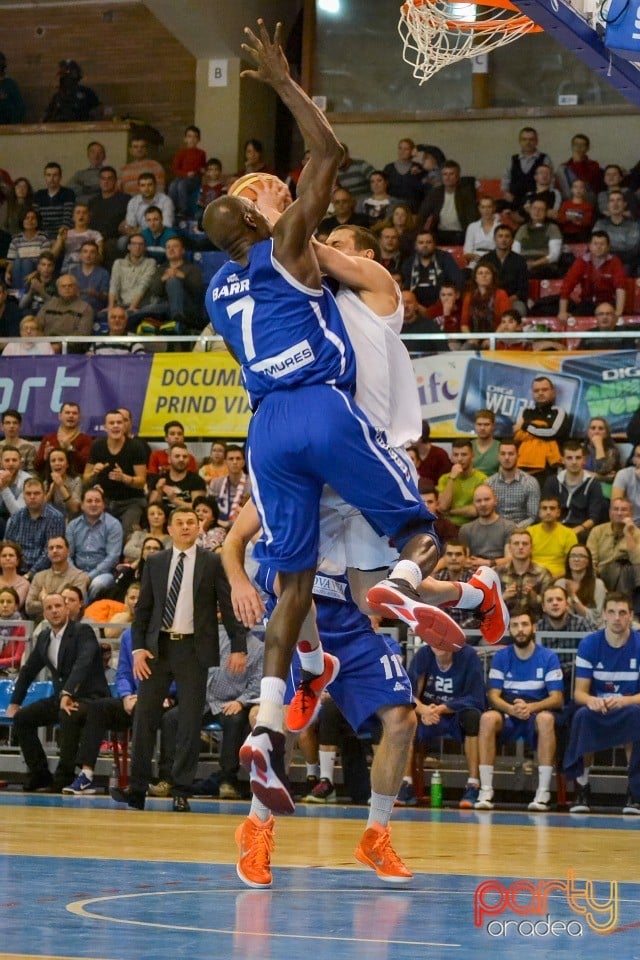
370 303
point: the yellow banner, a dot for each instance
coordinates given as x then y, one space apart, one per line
202 390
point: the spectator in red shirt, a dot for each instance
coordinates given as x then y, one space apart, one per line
68 437
188 166
601 277
434 461
159 460
447 312
575 217
580 167
485 302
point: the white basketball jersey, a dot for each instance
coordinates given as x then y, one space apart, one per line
385 383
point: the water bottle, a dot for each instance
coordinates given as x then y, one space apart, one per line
114 781
436 790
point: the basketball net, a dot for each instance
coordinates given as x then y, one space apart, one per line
436 33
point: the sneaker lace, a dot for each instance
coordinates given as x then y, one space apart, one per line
305 694
262 844
383 848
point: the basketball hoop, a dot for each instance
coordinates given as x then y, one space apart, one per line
437 33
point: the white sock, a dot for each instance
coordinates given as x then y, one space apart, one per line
311 660
544 778
473 781
380 809
583 779
271 710
470 597
408 780
313 769
409 571
486 777
261 812
327 764
88 772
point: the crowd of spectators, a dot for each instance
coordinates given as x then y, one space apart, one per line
555 242
556 515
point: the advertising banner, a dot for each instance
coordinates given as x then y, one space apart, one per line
204 390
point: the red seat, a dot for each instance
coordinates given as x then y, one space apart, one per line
12 654
489 188
632 300
457 254
550 288
534 289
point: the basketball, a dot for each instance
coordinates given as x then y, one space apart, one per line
252 185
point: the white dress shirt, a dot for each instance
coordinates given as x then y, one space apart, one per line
54 645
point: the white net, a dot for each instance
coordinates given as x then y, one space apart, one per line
436 33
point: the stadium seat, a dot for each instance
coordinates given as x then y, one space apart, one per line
457 254
632 302
12 653
551 288
209 262
37 691
489 188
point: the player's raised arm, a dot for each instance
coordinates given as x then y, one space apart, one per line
298 223
360 273
247 604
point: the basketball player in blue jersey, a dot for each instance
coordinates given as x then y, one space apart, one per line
371 683
450 697
286 332
525 693
607 694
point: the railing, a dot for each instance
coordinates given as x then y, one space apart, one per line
543 332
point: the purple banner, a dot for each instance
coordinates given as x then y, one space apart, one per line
38 386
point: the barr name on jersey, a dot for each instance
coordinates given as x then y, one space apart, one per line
231 288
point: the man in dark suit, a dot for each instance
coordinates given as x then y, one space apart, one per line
175 637
72 654
449 209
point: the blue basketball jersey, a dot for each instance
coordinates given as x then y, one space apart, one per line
460 687
283 333
531 679
371 671
613 671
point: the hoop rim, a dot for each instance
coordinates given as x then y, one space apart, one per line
500 4
517 24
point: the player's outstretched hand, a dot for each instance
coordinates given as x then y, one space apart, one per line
247 604
268 55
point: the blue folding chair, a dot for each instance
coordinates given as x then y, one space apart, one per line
209 262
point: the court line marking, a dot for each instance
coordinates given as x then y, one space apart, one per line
79 909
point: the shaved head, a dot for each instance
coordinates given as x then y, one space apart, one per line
233 222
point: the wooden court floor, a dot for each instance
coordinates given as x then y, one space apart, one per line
82 878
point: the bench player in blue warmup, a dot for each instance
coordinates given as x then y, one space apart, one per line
298 366
607 694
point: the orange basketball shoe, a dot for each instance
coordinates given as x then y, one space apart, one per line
255 842
375 851
494 616
397 599
304 707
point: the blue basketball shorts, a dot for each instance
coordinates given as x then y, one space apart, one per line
301 439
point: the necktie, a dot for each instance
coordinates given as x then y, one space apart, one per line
172 598
54 649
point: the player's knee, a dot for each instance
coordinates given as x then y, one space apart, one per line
399 724
470 722
490 722
425 540
545 722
